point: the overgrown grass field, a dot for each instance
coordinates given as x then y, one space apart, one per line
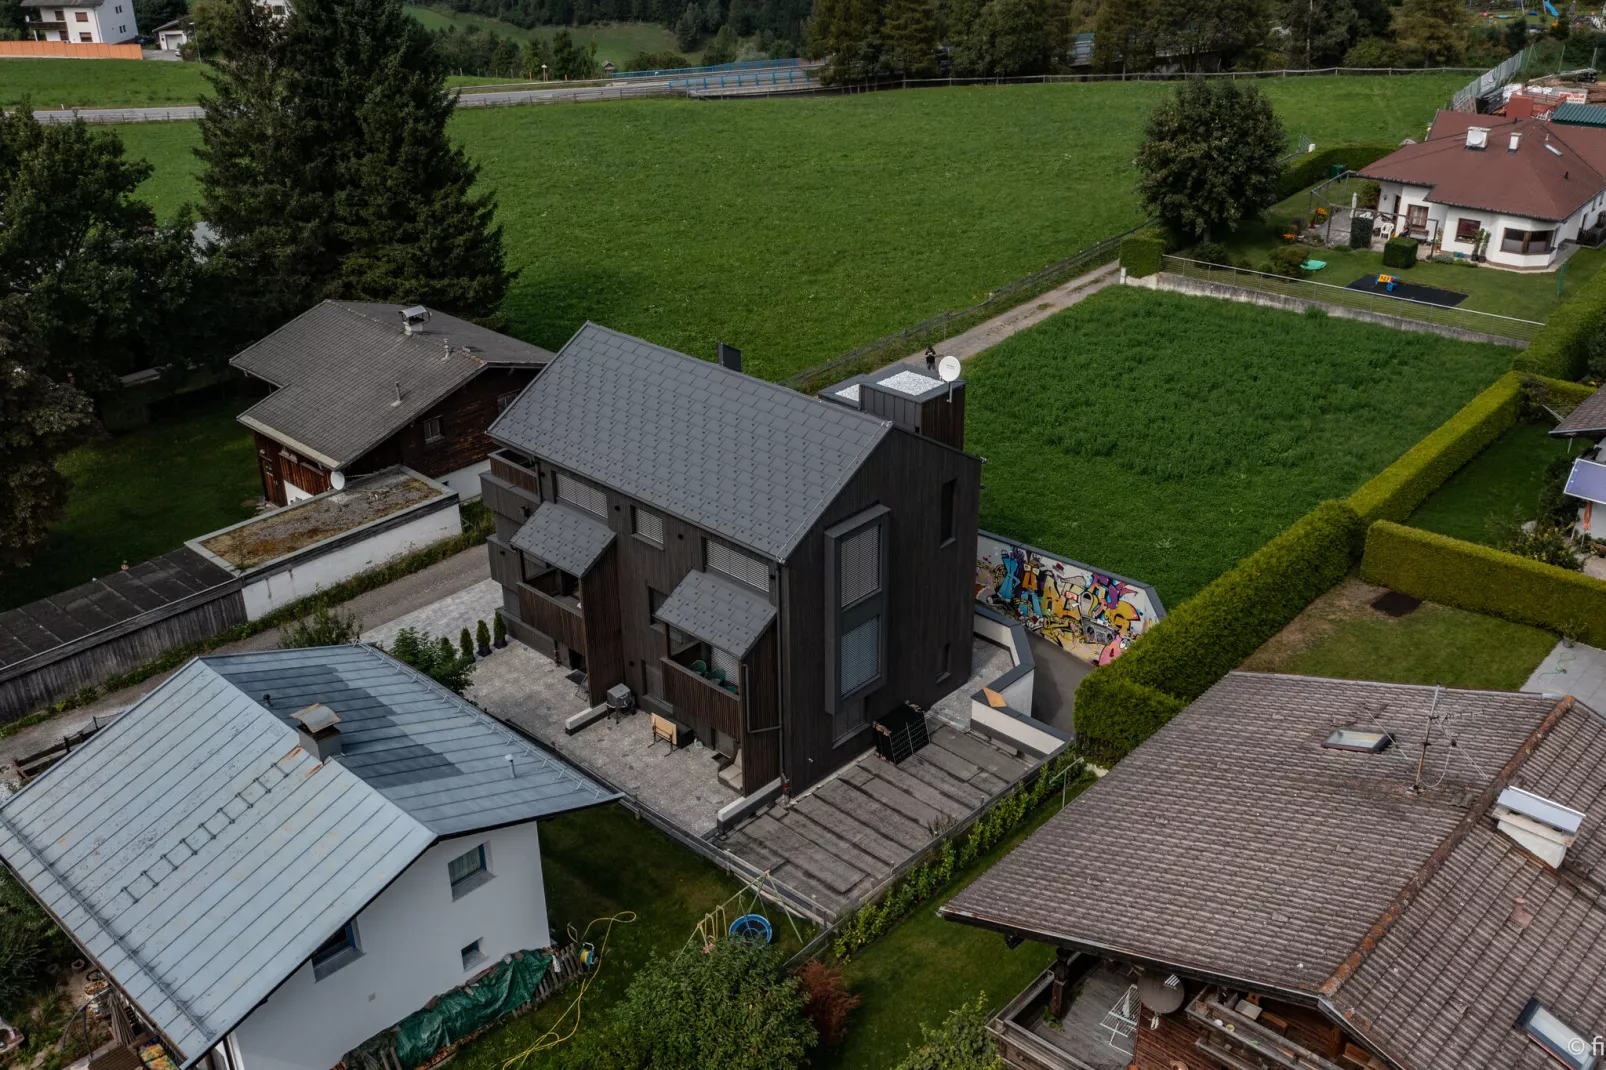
99 83
617 42
799 228
1165 437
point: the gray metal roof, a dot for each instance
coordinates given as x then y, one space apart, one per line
1587 419
746 459
338 367
200 855
563 537
708 608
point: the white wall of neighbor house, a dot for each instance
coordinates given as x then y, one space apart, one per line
411 940
110 24
466 481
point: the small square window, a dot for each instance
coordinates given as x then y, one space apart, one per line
505 400
649 526
467 871
472 955
337 951
432 430
81 16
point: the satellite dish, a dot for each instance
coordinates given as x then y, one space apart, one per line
948 368
1161 994
337 480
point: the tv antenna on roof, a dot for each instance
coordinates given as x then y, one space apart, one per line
1427 741
948 369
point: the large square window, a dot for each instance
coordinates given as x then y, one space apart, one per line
468 871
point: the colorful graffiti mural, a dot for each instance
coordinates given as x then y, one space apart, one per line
1090 614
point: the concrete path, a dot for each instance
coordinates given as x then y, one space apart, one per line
420 591
447 617
1029 314
1578 670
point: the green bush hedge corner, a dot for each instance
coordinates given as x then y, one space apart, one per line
1394 492
1309 168
1399 253
1561 347
1119 712
1360 231
1452 572
1140 255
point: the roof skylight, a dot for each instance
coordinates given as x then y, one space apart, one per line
1360 740
1557 1037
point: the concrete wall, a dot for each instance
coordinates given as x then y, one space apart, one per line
1011 724
466 481
411 938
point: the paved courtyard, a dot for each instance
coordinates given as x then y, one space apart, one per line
447 617
1578 670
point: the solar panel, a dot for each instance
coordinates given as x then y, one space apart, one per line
1588 481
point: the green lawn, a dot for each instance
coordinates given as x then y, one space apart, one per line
141 494
800 228
597 863
1496 485
1165 437
616 42
99 83
1341 635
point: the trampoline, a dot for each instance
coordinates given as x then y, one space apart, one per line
1430 294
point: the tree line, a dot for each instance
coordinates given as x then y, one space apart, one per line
326 172
779 25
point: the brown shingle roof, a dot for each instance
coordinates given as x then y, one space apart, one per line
1533 181
1588 419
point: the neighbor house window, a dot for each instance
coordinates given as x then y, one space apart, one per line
861 565
472 955
86 39
856 561
504 400
949 491
736 565
1525 241
1466 230
574 492
861 655
467 871
432 430
80 16
649 526
335 952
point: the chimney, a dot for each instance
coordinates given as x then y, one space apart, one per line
1516 137
1477 137
1544 828
413 319
316 731
730 357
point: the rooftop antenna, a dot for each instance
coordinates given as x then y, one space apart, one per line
1427 740
398 394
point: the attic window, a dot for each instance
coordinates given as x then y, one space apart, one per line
1563 1042
1360 740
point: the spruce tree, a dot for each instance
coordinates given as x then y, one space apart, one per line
329 172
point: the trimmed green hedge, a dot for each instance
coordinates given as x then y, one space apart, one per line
1402 486
1119 714
1555 394
1399 253
1140 255
1311 167
1453 572
1560 348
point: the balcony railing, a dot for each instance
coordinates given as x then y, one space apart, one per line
702 700
555 616
505 467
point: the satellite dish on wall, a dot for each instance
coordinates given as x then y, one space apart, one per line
337 480
948 368
1160 994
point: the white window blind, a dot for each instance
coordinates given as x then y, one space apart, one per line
861 565
738 566
861 655
574 492
649 526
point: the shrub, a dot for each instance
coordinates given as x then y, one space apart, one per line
1443 258
1543 543
1394 492
465 645
324 626
482 639
657 61
499 631
1360 231
1556 507
1208 635
1399 253
1212 253
434 658
1453 572
1374 53
1140 255
1561 348
961 1042
1119 714
826 1001
1368 194
1310 168
1287 261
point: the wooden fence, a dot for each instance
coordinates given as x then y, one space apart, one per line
68 50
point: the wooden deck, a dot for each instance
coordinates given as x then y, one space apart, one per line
840 840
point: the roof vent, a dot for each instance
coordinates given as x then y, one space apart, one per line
1477 137
1542 827
1516 139
413 319
316 728
730 357
1553 149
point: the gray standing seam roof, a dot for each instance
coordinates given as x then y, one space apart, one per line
200 855
1588 418
339 364
564 538
717 612
747 459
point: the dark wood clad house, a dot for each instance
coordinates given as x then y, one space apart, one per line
363 386
769 570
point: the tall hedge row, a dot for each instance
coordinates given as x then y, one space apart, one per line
1119 713
1141 254
1311 167
1561 348
1453 572
1394 492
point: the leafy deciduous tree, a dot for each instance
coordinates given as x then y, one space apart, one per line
961 1042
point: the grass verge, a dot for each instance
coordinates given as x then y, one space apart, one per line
1500 484
1166 437
1341 634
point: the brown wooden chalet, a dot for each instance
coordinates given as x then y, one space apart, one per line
1308 874
362 386
769 571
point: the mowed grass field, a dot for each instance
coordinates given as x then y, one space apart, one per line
799 228
99 83
1165 437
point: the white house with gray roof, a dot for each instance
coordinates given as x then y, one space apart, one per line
84 22
275 856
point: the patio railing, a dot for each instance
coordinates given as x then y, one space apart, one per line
1466 319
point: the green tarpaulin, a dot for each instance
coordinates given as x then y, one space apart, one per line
455 1015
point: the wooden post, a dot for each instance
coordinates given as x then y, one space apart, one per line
1062 974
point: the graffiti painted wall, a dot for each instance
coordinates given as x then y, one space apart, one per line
1093 615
